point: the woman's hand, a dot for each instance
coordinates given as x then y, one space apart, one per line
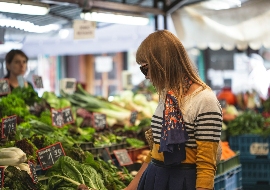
134 183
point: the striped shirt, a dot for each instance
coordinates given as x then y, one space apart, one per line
203 120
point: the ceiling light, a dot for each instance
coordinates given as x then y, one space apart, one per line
221 4
63 33
115 18
27 26
24 7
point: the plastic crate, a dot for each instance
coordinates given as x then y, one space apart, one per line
251 146
255 187
97 151
230 180
256 172
226 165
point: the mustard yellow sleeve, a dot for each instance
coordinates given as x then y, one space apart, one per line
208 124
206 164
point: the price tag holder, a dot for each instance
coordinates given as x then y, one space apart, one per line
9 125
49 155
68 85
57 118
122 157
2 169
67 115
99 121
133 117
37 80
106 156
33 172
4 87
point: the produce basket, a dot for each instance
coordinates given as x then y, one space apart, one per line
226 165
256 172
251 146
230 180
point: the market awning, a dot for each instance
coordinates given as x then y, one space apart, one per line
248 25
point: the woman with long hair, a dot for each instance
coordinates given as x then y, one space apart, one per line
186 126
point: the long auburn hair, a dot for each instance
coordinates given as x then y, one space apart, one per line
169 63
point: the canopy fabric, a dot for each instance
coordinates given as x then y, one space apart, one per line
248 25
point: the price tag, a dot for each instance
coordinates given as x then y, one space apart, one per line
37 80
4 87
57 118
9 125
33 172
106 156
99 121
68 85
67 115
49 155
2 169
133 117
123 157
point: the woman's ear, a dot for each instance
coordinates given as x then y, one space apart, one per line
8 66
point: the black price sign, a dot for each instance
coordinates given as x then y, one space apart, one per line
9 125
49 155
106 156
123 157
33 172
133 117
2 176
99 121
57 118
4 87
61 117
67 115
38 81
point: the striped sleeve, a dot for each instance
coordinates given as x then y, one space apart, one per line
208 124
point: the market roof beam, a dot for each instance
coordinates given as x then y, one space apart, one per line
177 4
87 5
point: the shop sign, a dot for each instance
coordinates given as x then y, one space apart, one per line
49 155
103 64
37 80
122 157
4 87
9 125
84 29
33 172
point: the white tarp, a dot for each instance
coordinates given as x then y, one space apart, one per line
248 25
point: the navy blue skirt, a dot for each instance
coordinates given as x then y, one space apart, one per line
162 178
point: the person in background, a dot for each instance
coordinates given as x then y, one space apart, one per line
186 125
16 64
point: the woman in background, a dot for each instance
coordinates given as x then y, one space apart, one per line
16 64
